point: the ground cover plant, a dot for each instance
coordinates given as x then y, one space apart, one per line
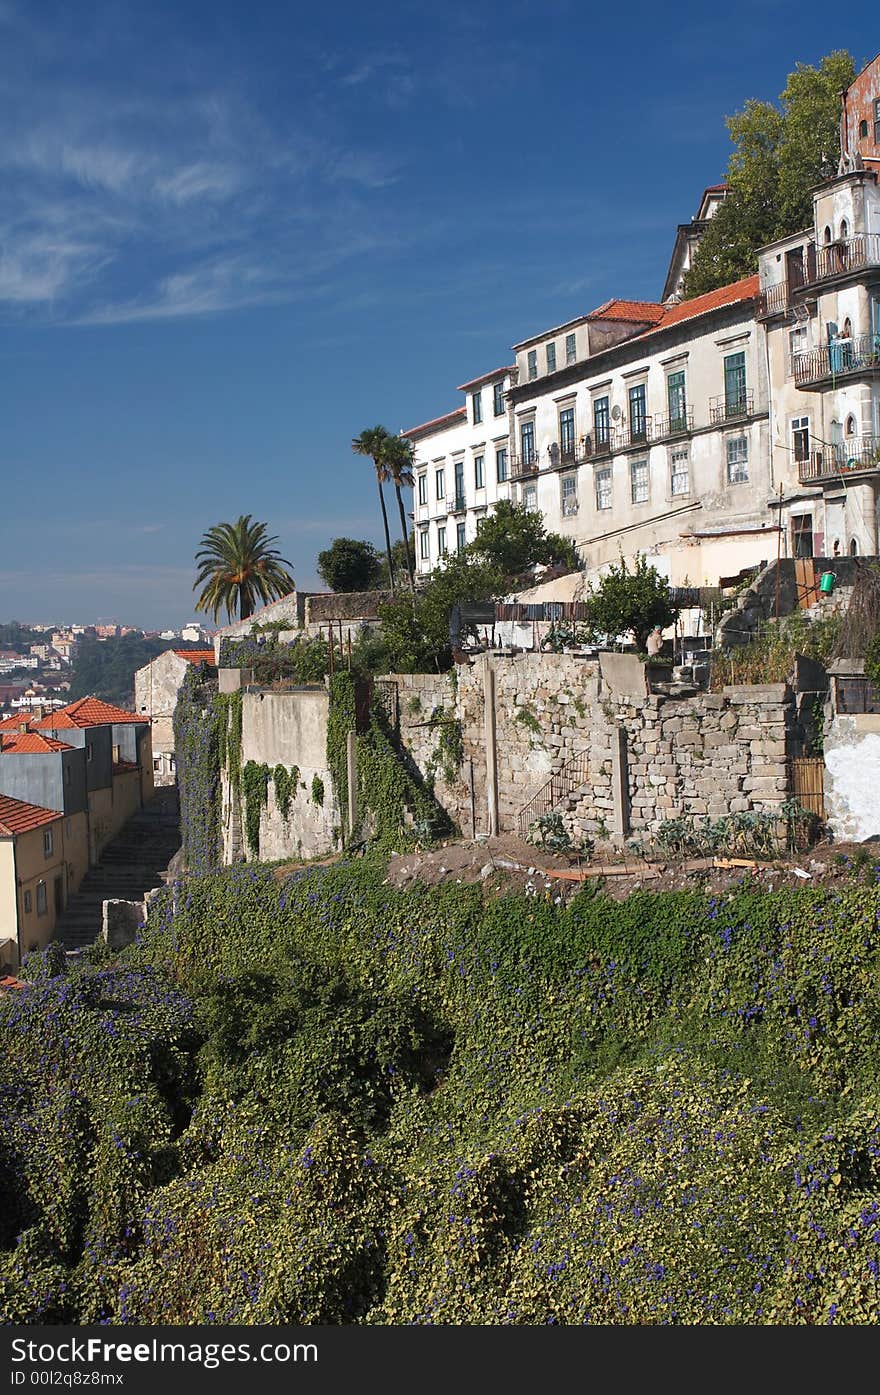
318 1099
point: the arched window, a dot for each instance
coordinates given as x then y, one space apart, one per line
863 129
847 328
850 425
844 228
854 548
826 236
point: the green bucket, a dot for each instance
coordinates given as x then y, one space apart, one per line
826 582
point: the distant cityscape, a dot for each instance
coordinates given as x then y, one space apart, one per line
38 660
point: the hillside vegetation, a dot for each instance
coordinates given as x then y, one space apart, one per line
325 1101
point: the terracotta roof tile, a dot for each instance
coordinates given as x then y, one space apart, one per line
18 817
460 414
632 311
30 743
16 722
196 656
485 378
746 289
88 712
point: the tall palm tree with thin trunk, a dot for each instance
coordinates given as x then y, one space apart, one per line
238 567
399 458
372 443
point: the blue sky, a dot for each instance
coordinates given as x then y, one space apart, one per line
233 236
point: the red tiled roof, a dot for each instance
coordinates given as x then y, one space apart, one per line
16 722
88 712
196 656
30 743
18 817
459 414
633 311
485 378
746 289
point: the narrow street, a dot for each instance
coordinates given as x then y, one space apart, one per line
130 865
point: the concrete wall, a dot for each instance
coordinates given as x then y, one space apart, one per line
8 896
852 777
33 868
288 728
102 821
126 797
51 780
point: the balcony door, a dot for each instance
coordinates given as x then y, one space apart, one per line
459 482
735 383
677 401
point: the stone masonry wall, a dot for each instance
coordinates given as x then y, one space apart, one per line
704 756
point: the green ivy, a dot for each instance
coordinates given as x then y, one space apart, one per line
255 789
286 783
318 790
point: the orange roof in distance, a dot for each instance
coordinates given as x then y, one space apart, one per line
196 656
30 743
16 722
88 712
18 817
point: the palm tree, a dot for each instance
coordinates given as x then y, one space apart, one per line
238 567
399 459
372 443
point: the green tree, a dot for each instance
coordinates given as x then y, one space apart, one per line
631 602
399 459
416 630
512 539
373 444
398 557
238 566
780 154
350 565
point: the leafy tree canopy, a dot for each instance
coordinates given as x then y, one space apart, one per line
631 602
239 568
350 565
105 668
416 631
780 154
513 539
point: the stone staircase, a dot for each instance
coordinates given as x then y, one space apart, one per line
130 866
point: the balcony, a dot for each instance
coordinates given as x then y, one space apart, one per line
842 358
633 435
666 427
847 255
723 409
848 458
565 453
595 447
773 300
456 505
523 466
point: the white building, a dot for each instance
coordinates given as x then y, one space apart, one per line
462 467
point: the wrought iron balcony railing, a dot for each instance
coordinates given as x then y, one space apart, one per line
596 445
846 458
562 453
523 465
839 359
678 424
729 408
457 505
773 300
845 255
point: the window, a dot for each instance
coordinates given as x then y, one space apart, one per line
530 497
863 130
800 438
737 460
67 774
798 341
47 842
438 483
479 477
460 539
551 358
501 463
28 903
424 545
441 541
603 489
802 535
423 489
527 442
638 478
638 417
679 472
459 484
566 433
676 398
42 906
735 384
602 421
570 348
850 425
476 407
89 750
498 399
569 485
877 121
533 363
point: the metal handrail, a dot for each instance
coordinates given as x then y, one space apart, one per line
574 773
856 354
